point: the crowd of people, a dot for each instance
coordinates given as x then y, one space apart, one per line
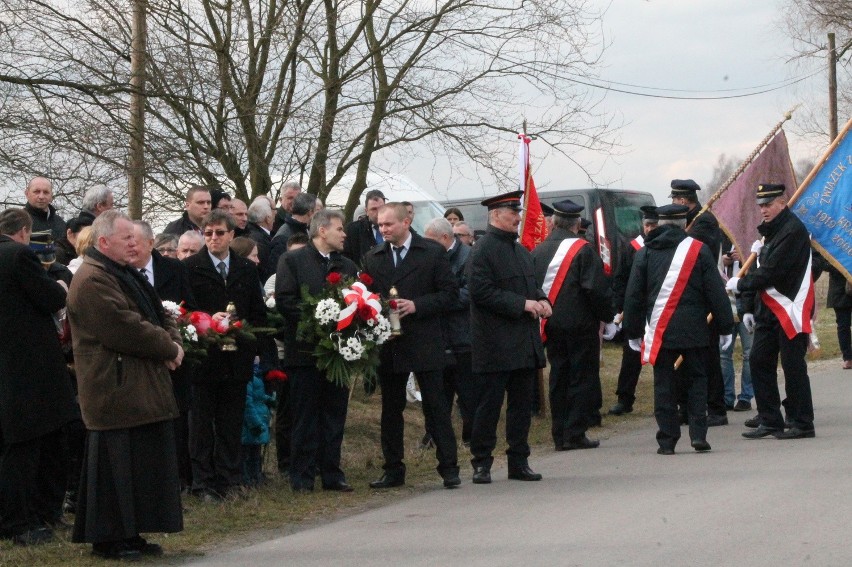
102 416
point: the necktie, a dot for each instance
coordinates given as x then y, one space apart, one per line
144 273
378 234
223 269
397 255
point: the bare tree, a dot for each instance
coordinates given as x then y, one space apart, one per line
722 171
247 94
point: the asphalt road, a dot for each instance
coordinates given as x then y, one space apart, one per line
755 503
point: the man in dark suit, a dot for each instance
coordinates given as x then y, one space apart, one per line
419 270
219 277
363 234
170 279
36 399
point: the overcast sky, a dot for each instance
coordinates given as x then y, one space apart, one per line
699 45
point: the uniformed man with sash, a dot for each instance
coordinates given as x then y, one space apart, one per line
674 283
784 305
570 272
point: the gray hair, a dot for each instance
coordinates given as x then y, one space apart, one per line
259 211
167 238
94 197
304 203
147 232
681 223
463 224
191 235
439 226
566 223
291 185
322 219
104 225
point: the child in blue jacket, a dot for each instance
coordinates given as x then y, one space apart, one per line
255 427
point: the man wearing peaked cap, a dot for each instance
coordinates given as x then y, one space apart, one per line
547 211
631 361
673 284
581 300
704 227
506 306
782 275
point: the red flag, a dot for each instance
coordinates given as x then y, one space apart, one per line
533 227
737 208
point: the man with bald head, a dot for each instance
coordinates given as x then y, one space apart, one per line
39 194
239 210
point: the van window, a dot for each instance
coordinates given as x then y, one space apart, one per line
425 211
625 208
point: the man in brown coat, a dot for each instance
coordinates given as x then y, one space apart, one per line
124 346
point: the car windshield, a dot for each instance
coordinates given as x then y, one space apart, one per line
625 207
425 211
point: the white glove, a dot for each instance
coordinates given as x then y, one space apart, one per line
635 344
610 329
748 321
725 341
756 246
732 284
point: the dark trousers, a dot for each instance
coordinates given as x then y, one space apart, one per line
435 410
32 483
843 317
769 342
517 387
181 425
458 381
694 376
215 431
715 380
573 373
628 376
283 426
319 417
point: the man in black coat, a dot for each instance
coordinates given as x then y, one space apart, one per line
304 207
506 307
569 270
419 270
198 204
363 234
219 277
782 307
319 406
674 283
705 227
39 194
36 399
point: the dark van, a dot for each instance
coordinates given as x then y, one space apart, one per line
614 213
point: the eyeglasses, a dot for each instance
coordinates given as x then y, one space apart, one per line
166 249
217 232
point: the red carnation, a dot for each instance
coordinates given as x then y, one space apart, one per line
365 278
275 375
392 304
365 312
238 325
333 278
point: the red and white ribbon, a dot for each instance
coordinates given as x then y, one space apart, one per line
356 297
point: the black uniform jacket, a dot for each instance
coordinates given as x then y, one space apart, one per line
621 276
704 293
35 390
425 277
783 263
585 298
705 227
212 295
304 267
501 277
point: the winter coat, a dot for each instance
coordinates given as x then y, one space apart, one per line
278 244
181 225
256 417
35 390
501 277
47 220
705 227
360 239
120 357
704 293
456 323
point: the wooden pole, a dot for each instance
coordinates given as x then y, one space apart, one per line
136 157
832 88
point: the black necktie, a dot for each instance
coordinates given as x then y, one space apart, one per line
223 269
397 253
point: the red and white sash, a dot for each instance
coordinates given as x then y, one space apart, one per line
557 269
637 242
674 283
793 314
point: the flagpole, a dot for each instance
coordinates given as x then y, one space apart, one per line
730 181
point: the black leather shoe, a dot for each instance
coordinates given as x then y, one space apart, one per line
665 451
761 432
795 433
580 443
452 480
717 420
788 422
481 475
339 486
388 481
35 536
120 550
141 545
754 422
701 446
741 405
620 408
524 473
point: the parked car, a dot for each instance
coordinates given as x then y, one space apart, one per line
614 213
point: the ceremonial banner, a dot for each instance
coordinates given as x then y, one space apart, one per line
533 227
825 204
737 210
